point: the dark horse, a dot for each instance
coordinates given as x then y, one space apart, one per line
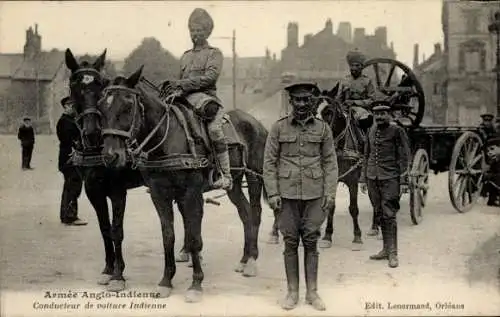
86 85
349 164
168 149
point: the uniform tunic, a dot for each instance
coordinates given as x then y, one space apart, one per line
386 159
27 137
360 89
300 165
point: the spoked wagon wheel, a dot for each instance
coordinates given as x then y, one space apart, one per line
466 172
398 84
419 185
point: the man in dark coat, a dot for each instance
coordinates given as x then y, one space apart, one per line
26 134
386 164
300 175
68 135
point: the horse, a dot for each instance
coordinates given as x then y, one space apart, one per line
349 163
169 146
86 85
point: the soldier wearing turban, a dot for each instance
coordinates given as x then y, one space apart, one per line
200 70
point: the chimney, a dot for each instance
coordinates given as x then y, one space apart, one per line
392 46
359 35
415 56
381 36
36 28
307 38
345 32
437 49
329 26
293 34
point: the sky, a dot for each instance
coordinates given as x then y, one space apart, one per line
120 26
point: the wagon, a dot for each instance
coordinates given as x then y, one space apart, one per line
458 150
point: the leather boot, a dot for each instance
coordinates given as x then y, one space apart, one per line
226 180
393 245
292 277
384 254
311 270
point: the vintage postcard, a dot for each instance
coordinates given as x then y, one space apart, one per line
250 158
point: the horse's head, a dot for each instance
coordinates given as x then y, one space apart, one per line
332 111
86 84
122 117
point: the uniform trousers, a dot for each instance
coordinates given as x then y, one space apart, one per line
72 189
27 152
384 196
301 219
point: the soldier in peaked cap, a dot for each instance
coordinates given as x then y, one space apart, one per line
200 70
300 175
386 163
26 135
487 127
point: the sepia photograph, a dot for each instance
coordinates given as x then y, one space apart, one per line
250 158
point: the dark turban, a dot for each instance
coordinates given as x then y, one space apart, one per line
355 57
200 17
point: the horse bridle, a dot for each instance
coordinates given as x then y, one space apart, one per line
91 110
131 134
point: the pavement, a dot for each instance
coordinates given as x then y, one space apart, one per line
449 263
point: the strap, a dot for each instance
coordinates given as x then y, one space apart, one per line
174 162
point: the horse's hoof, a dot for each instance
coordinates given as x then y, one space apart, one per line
193 296
163 291
240 267
250 269
182 257
325 244
273 239
104 279
357 246
116 286
372 233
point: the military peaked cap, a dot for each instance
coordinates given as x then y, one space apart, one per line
355 56
303 89
65 101
201 17
26 118
487 116
493 141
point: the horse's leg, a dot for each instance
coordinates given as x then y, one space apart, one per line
183 255
354 211
192 205
161 197
254 193
97 199
238 199
118 201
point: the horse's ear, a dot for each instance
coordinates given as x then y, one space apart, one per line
133 79
70 60
334 90
101 60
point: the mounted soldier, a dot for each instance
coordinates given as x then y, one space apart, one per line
200 70
300 175
357 90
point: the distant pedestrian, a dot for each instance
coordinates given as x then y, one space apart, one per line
385 170
26 134
69 135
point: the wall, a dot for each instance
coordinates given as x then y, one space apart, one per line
470 59
57 89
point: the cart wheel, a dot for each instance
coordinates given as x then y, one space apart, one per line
397 83
467 168
419 185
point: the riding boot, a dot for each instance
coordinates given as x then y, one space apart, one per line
392 243
292 277
383 254
311 270
226 180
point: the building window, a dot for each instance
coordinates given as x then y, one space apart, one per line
472 57
471 21
435 90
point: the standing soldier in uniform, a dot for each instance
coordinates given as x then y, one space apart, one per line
386 164
26 134
487 127
300 175
200 69
68 134
357 90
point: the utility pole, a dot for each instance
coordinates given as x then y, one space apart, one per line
494 28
